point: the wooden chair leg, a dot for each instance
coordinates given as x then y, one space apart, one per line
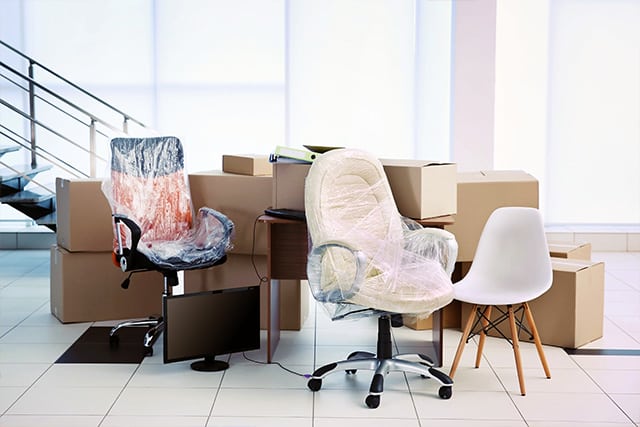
485 315
536 339
463 341
516 348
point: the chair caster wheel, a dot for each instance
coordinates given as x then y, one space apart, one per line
445 392
372 401
148 351
314 384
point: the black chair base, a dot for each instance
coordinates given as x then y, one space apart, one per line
155 325
383 363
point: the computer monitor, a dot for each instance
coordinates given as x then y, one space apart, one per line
207 324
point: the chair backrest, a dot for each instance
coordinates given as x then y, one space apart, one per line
148 184
513 251
359 248
348 199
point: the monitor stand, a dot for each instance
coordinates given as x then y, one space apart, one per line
209 364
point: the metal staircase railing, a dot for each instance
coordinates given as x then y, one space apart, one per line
54 121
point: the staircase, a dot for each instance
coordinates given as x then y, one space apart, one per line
68 137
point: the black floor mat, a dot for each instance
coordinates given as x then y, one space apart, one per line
93 347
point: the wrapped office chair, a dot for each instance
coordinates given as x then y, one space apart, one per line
511 267
154 227
366 259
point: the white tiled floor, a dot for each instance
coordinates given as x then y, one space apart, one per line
584 390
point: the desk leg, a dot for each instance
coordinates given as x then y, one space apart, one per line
273 317
437 332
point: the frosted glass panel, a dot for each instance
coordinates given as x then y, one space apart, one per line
351 75
211 122
433 80
105 42
220 42
594 108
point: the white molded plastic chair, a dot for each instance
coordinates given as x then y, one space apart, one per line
367 259
511 267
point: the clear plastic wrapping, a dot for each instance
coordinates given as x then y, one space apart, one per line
148 186
365 257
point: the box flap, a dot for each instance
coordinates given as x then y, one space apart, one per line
508 175
412 162
571 265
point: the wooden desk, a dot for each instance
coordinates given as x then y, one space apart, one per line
287 249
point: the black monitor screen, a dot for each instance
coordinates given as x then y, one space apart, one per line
206 324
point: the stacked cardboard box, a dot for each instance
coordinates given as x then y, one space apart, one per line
482 192
570 251
246 164
571 313
85 284
243 197
421 188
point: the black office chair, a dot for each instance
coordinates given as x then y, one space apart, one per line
154 226
366 259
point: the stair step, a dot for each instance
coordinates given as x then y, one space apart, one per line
4 149
7 174
49 220
27 197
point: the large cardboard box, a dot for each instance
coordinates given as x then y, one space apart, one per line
85 287
479 194
450 313
422 188
83 216
288 184
242 198
246 164
242 270
571 313
570 251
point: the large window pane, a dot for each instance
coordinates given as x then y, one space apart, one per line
351 75
593 151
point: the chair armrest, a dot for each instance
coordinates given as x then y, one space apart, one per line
213 229
434 243
125 254
347 266
227 224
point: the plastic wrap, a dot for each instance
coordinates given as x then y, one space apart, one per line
366 258
148 185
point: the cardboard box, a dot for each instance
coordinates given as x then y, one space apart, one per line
479 194
288 184
422 188
571 313
242 198
85 287
83 216
239 271
450 318
247 164
570 251
451 313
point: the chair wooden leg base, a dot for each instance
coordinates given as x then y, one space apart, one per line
463 341
516 349
536 340
513 328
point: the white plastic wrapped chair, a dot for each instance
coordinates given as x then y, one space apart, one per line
367 259
154 227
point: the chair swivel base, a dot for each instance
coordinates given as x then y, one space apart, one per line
382 364
156 327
